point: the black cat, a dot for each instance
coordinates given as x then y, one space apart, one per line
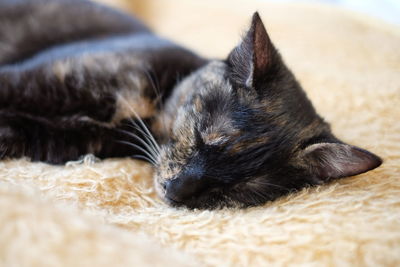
79 78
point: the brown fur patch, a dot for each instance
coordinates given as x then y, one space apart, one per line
247 144
61 68
198 105
213 138
130 105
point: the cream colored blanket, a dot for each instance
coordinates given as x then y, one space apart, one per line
106 213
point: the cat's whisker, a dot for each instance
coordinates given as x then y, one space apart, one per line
154 82
146 158
148 154
151 143
260 196
143 125
143 142
136 127
263 183
143 158
146 142
154 86
149 133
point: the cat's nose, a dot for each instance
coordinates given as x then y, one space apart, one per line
184 187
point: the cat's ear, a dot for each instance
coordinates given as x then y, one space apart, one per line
253 56
335 160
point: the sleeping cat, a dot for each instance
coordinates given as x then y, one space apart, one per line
79 78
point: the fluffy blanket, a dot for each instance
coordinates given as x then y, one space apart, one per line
91 213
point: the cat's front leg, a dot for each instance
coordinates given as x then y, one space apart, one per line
62 139
40 139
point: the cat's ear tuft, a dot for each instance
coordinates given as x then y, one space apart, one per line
253 56
335 160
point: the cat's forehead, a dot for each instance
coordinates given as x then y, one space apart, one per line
213 72
204 97
211 77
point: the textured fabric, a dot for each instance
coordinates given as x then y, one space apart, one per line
106 213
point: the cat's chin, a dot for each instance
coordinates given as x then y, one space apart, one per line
160 191
202 203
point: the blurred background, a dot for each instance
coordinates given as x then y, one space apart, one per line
387 10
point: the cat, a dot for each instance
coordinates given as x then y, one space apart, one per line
77 77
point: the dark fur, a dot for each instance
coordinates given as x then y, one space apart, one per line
237 132
42 114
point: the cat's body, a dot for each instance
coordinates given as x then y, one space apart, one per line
75 77
81 68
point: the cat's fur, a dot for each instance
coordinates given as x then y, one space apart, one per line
78 78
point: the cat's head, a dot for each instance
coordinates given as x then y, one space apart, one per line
242 132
